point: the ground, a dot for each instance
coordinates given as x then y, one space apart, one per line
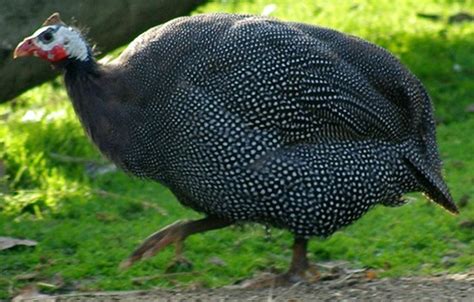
87 217
459 287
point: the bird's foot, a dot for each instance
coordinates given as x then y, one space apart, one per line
156 242
308 275
175 233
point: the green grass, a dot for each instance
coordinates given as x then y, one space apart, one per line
83 234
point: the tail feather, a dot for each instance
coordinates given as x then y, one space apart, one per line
433 184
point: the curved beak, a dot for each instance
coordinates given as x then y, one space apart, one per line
25 48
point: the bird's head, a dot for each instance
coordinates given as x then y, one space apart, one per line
54 42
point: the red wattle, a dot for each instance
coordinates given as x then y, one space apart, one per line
56 54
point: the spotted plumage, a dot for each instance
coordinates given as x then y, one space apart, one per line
247 118
260 120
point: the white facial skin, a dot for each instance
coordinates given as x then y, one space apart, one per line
47 37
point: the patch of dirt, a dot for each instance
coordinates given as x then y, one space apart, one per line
459 287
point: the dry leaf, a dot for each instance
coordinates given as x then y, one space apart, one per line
8 242
336 266
31 293
27 276
370 275
216 261
470 108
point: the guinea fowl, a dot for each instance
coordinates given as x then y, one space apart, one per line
251 119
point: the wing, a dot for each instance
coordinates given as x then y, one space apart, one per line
304 83
307 83
395 84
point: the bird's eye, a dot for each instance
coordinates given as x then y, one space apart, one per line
46 37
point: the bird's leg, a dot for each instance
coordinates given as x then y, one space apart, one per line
300 270
179 260
175 233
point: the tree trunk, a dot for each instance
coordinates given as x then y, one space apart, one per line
110 24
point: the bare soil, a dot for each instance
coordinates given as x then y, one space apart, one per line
353 287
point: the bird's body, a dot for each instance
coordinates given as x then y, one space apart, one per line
252 119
